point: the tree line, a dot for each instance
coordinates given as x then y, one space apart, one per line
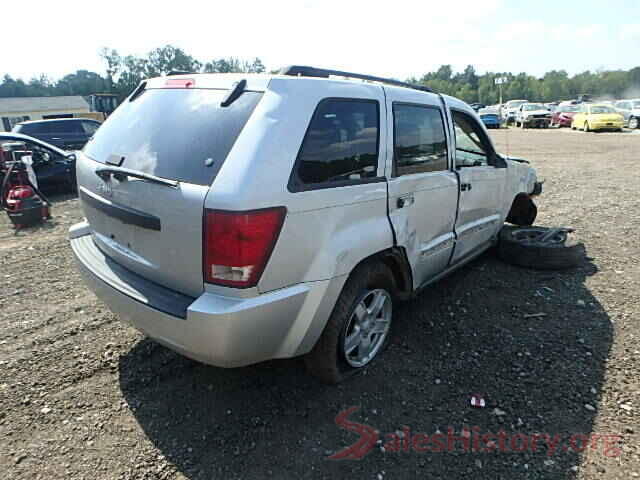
123 73
552 86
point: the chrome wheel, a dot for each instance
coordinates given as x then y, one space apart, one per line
536 236
633 123
367 328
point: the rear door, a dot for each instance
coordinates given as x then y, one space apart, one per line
481 185
423 190
181 136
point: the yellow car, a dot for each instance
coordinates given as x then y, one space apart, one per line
592 117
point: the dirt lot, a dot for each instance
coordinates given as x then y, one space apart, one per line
82 396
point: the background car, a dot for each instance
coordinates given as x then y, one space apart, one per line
533 115
594 117
54 167
490 117
510 109
65 133
563 116
630 110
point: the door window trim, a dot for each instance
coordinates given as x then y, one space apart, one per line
294 185
394 173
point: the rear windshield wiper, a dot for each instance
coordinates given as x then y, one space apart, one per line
121 173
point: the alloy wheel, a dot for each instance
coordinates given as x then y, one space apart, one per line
368 327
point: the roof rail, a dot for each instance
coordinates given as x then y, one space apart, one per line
179 72
303 71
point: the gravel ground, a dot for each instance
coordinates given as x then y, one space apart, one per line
83 396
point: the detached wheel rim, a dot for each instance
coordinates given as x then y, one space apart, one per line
533 236
367 328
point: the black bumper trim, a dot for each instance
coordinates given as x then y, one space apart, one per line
127 282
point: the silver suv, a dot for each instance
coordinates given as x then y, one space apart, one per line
240 218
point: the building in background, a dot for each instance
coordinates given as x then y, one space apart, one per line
19 109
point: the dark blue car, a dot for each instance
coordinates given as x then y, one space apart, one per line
65 133
490 118
54 167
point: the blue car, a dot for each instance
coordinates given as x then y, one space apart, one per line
490 118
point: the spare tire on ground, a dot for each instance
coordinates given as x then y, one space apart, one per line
540 247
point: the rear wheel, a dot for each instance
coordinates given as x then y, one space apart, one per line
359 326
633 123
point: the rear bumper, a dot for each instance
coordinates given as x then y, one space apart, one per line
607 125
214 329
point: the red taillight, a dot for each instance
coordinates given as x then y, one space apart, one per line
21 192
180 83
237 245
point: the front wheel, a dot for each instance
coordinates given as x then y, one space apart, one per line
359 326
633 123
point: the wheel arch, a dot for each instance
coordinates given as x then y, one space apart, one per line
523 211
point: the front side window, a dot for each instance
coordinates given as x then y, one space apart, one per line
471 150
419 142
341 143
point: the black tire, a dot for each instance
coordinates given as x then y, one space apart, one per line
556 255
634 123
327 360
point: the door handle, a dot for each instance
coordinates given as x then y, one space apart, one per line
404 201
465 186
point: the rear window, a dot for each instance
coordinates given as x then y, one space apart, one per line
178 134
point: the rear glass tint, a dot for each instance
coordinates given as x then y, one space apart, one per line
341 143
178 134
51 127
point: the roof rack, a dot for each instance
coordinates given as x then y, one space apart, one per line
303 71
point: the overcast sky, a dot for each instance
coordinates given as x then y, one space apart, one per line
397 38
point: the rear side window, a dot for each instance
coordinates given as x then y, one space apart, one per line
420 144
178 134
29 128
340 146
51 127
90 127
